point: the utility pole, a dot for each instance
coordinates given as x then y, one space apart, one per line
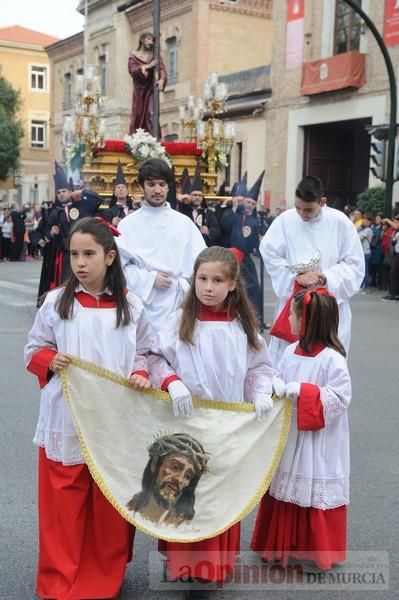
390 176
156 23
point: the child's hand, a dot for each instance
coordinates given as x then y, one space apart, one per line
278 386
59 362
181 399
263 405
292 391
139 383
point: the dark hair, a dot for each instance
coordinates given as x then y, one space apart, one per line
114 278
143 36
185 504
237 302
367 215
154 168
322 319
310 189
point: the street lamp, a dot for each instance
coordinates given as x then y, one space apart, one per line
213 135
83 127
390 176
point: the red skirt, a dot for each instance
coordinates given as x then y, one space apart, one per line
84 543
211 560
283 529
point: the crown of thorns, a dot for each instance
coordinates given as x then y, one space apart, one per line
180 442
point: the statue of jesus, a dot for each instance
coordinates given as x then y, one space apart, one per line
142 65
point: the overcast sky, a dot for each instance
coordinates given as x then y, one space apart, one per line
53 17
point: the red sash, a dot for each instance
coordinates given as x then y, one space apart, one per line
281 326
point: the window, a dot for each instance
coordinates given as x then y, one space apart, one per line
102 61
171 44
38 134
67 91
38 78
347 28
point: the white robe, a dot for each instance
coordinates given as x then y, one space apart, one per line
314 468
91 335
219 365
158 240
290 241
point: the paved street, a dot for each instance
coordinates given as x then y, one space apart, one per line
373 516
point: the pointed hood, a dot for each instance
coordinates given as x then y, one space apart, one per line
171 197
242 186
234 190
71 185
196 184
222 189
185 182
120 178
255 189
60 180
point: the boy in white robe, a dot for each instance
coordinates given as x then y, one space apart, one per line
312 245
158 246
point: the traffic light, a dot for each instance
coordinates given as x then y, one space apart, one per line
377 158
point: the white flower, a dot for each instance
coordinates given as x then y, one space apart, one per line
143 145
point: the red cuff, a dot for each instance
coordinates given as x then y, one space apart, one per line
310 408
167 381
40 364
142 373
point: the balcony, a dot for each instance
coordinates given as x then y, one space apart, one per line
338 72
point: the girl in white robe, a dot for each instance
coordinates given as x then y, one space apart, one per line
303 514
213 347
84 544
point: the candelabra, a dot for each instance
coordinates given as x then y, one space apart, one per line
83 129
214 136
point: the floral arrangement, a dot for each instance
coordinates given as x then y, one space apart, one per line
75 156
143 145
221 161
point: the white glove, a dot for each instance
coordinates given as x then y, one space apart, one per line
292 391
278 386
263 405
181 399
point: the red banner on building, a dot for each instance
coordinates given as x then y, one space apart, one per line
295 32
391 25
333 73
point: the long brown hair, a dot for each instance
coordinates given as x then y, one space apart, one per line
237 302
321 320
114 280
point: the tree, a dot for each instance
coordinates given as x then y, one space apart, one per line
11 130
371 200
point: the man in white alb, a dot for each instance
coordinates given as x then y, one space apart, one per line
313 245
158 246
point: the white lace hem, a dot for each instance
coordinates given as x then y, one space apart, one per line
60 448
306 491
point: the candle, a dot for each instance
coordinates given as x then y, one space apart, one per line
90 72
190 102
195 114
79 84
97 84
201 129
216 128
219 92
93 109
182 112
101 128
85 124
207 91
213 78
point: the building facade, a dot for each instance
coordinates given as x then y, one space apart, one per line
197 38
26 65
329 83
